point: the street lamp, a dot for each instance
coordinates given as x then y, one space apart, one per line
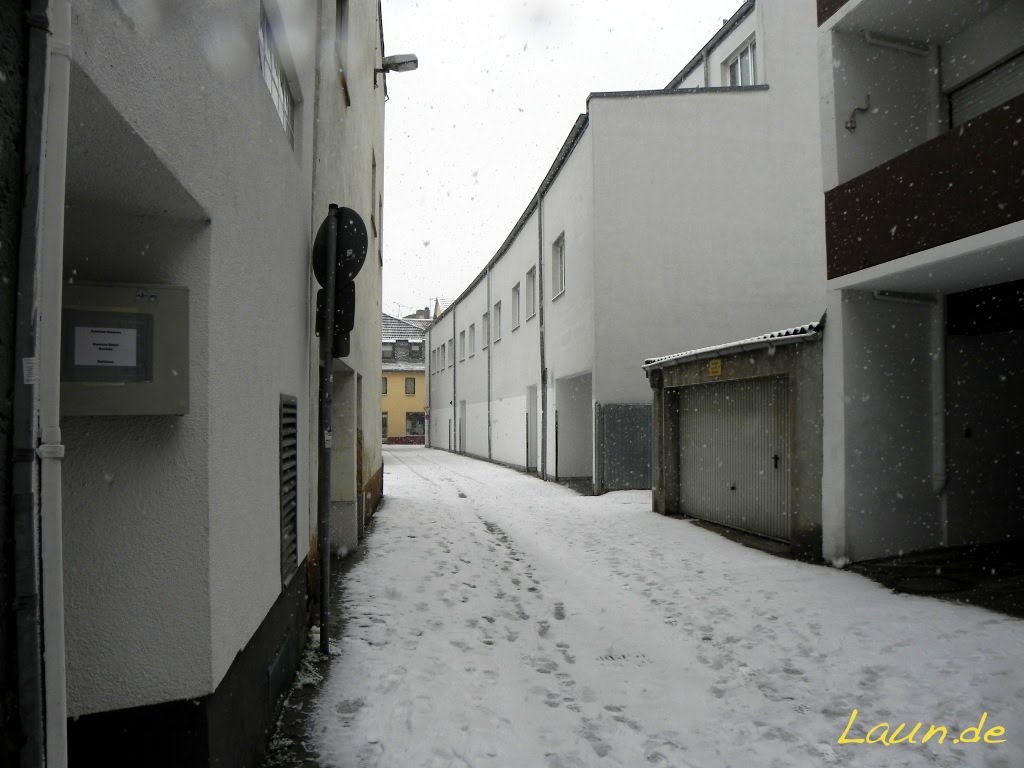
401 62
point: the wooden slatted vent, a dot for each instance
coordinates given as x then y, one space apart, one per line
289 487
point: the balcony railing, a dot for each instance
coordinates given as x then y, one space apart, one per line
966 181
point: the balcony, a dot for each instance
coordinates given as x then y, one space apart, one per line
966 181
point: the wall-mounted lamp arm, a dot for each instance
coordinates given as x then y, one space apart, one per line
851 124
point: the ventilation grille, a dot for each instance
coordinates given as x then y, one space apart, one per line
289 487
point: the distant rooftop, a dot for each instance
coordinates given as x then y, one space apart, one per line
393 328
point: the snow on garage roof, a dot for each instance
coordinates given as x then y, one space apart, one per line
800 333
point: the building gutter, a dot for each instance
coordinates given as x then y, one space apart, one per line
38 451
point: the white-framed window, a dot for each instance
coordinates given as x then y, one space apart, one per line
558 266
531 292
416 350
441 350
485 325
275 77
472 339
496 321
741 67
387 350
410 385
462 345
451 353
515 306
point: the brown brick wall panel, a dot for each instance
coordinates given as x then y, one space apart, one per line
966 181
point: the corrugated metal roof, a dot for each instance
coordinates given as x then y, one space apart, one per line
800 333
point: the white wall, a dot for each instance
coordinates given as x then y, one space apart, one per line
349 138
902 102
574 402
515 358
890 505
731 44
568 208
471 371
189 557
440 397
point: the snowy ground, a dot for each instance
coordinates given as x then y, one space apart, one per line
498 620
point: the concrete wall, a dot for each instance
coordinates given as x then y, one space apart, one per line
568 209
801 364
349 171
441 388
515 358
472 371
890 504
719 244
902 102
155 509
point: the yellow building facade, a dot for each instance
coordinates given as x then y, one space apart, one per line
403 381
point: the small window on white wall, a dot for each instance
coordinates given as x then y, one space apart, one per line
462 345
485 325
496 321
515 306
531 293
472 339
274 75
742 67
558 266
451 352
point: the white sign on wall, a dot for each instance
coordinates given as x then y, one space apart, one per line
106 346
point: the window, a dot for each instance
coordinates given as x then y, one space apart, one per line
383 385
416 351
531 292
384 426
441 350
341 47
414 423
558 266
742 67
289 478
486 325
387 351
515 306
451 353
472 339
410 385
496 319
274 75
462 345
373 191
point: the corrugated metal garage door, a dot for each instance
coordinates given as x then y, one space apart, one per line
734 455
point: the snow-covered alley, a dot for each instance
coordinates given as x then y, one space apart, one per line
498 620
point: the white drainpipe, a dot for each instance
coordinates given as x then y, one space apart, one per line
50 451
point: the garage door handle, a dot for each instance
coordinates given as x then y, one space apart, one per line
732 487
775 461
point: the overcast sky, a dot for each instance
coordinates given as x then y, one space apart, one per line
471 133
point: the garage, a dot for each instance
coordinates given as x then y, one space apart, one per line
734 455
737 436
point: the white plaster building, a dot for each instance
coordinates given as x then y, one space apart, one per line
671 219
169 147
924 178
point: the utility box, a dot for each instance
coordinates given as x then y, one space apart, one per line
124 351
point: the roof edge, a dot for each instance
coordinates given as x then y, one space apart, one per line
797 335
713 43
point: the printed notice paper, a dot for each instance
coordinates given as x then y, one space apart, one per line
106 346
